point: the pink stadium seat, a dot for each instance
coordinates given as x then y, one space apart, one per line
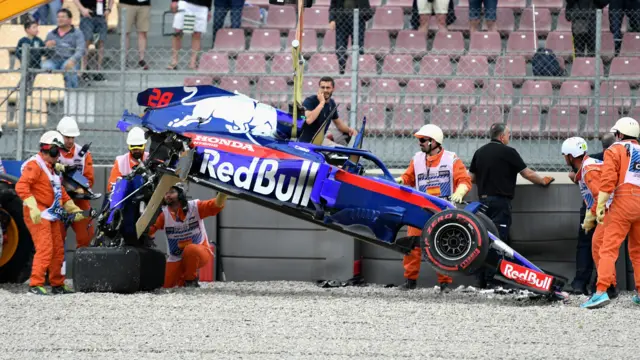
511 66
342 92
505 21
198 80
265 40
575 93
214 62
563 25
236 83
421 91
512 4
398 65
322 63
384 91
561 43
388 18
310 84
616 94
230 40
524 121
461 23
309 41
405 4
487 44
586 67
272 90
376 117
448 43
375 3
260 3
607 47
329 42
626 68
542 18
563 121
630 44
498 92
481 117
407 118
521 43
326 3
252 64
377 42
433 66
476 67
553 5
367 67
459 92
281 65
316 18
462 4
411 42
251 17
537 93
607 117
449 118
281 17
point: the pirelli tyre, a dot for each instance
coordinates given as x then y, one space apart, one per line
455 241
16 256
123 269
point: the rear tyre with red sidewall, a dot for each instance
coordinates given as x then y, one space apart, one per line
455 242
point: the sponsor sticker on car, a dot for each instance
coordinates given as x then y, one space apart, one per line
525 276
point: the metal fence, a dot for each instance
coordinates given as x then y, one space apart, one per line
401 78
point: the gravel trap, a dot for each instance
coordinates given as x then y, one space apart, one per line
299 320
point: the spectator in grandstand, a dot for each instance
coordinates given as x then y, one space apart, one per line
494 169
341 20
68 47
438 172
46 14
138 13
320 111
584 258
490 14
582 15
35 44
191 18
221 8
93 24
438 7
617 10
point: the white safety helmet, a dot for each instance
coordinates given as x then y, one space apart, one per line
136 137
574 146
52 137
432 131
68 127
627 126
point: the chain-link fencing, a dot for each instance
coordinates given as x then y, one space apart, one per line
533 68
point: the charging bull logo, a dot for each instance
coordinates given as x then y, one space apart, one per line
242 114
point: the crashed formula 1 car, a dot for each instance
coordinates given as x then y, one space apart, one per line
236 145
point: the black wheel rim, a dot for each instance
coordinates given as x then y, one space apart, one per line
452 241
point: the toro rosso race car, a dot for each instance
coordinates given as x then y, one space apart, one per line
236 145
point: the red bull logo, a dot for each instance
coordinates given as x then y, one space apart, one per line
525 276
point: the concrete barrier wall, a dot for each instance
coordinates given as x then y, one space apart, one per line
259 244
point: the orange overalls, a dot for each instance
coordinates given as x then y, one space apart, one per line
46 235
440 176
620 177
122 167
83 228
589 181
188 245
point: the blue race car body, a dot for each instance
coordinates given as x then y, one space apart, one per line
242 147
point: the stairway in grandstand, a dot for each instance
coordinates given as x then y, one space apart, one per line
467 88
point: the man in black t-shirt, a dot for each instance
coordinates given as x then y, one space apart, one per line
495 168
320 110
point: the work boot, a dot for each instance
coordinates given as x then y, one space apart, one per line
408 285
191 283
444 287
38 290
612 291
62 289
